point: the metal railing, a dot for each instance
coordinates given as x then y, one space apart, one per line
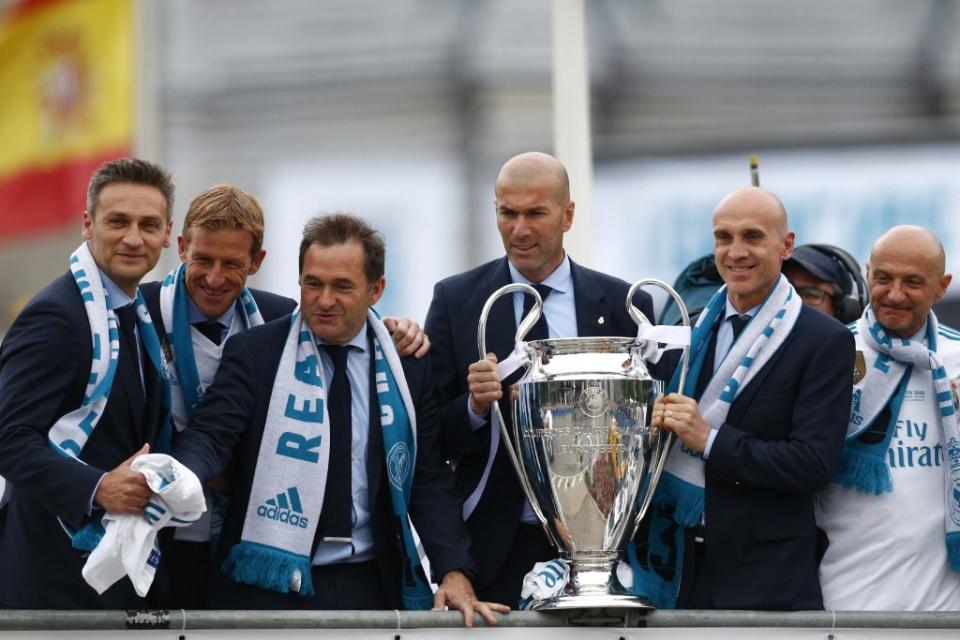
183 621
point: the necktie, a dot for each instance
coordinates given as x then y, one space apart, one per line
337 516
539 330
127 318
738 323
212 329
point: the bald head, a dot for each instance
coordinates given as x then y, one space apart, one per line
906 276
913 240
528 169
756 201
750 243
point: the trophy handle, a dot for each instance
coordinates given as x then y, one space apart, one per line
525 325
664 444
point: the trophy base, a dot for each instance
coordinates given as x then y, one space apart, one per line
592 601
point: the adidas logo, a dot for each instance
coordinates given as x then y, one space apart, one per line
285 508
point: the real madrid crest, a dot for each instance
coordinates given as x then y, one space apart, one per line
859 368
398 464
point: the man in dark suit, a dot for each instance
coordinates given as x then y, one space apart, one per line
45 366
780 440
533 210
358 563
221 245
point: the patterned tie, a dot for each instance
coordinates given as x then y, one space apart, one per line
539 331
127 318
738 323
336 520
212 329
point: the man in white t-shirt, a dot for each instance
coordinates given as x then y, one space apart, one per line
892 517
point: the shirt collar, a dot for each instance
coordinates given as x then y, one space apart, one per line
195 315
116 297
732 311
560 280
358 341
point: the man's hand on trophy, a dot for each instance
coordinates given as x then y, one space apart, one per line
681 415
483 381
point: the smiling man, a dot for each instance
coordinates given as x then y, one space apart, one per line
892 515
81 394
760 425
333 442
200 304
533 211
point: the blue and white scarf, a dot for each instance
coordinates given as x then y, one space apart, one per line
71 432
174 309
286 497
889 362
679 498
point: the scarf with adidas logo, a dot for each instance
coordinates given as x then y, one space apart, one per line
286 497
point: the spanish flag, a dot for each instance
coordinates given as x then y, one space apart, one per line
67 106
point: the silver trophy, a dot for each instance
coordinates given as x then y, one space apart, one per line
585 454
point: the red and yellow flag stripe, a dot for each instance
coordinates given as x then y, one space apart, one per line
66 76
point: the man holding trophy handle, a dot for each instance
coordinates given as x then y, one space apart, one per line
533 211
760 426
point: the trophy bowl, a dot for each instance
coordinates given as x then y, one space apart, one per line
581 442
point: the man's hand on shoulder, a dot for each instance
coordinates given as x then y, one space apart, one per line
457 592
408 337
123 490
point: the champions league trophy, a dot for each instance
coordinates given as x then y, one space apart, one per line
585 454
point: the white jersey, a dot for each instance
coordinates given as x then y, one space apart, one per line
888 552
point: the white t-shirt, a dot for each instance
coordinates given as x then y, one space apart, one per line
888 552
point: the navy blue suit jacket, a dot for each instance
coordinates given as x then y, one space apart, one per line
44 365
271 305
452 322
779 446
230 422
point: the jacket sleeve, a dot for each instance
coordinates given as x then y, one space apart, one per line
41 364
224 414
456 436
435 509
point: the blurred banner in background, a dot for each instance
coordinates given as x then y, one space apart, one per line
65 69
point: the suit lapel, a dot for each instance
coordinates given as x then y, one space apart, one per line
501 323
743 400
590 303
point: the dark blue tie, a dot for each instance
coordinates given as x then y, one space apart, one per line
539 330
738 322
212 329
127 319
336 519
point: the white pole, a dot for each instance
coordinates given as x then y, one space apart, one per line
571 119
146 81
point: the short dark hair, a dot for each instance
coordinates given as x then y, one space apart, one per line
134 171
340 228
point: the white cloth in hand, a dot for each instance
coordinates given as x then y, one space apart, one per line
129 545
545 580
